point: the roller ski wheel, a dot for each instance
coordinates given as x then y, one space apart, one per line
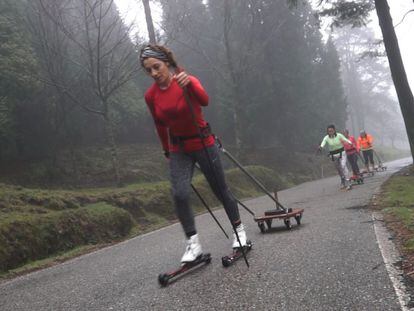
227 261
164 278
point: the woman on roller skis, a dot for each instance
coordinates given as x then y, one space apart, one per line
185 145
335 142
352 151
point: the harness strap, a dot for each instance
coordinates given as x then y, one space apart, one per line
204 133
335 152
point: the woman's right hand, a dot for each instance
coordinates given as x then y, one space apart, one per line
182 79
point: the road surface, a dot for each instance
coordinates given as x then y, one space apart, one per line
331 262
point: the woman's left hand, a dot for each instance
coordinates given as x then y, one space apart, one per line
182 79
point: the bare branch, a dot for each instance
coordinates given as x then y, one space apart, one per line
404 18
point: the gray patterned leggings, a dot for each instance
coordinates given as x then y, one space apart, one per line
182 169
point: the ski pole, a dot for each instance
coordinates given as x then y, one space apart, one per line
377 156
360 157
210 162
209 210
245 207
258 183
237 200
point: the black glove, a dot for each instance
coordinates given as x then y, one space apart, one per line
167 154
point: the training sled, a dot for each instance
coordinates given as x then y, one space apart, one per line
367 173
164 278
268 217
280 212
237 254
381 167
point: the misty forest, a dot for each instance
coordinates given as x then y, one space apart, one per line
77 141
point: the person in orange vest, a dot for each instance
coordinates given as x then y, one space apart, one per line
365 143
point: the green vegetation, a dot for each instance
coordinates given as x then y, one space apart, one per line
397 201
38 223
38 233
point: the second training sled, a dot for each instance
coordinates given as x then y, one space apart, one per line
381 167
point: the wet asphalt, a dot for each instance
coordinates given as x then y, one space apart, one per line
331 262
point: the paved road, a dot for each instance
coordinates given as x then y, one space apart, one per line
331 262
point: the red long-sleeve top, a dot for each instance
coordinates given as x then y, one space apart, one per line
351 148
173 117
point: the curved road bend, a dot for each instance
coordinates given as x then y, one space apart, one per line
331 262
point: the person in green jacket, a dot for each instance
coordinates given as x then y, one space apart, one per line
335 141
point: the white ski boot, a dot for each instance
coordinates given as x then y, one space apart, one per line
192 250
242 236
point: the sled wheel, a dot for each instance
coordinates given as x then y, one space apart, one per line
269 223
163 279
287 224
261 227
225 261
298 218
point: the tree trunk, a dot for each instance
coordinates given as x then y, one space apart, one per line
150 24
237 112
399 77
113 148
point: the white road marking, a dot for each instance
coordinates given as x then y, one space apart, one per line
391 256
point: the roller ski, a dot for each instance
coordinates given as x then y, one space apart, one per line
357 179
241 246
164 278
193 256
236 254
346 185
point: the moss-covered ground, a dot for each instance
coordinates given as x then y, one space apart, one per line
36 223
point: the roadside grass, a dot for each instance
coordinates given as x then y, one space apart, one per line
52 225
397 203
